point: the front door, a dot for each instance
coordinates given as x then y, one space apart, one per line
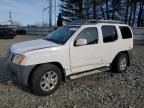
87 56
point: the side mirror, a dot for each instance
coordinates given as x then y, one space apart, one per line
81 42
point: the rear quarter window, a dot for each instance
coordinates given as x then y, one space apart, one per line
126 32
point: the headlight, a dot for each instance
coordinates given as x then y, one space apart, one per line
18 59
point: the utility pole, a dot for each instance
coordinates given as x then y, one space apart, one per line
49 8
50 13
43 16
10 18
55 12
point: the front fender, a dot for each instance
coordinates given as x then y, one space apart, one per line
41 56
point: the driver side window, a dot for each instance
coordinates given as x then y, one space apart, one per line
90 34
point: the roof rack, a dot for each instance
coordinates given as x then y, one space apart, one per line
93 21
111 21
102 21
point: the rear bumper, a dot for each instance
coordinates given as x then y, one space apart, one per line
19 74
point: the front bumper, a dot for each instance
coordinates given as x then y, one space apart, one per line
19 73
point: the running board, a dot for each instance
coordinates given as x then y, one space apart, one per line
87 73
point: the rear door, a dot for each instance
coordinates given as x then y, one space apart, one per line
110 44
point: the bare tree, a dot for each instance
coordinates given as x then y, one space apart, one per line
128 11
140 12
134 11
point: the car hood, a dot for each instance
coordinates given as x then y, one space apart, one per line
23 47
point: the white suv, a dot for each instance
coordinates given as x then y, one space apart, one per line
71 51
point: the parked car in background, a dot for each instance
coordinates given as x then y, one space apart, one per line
7 33
21 32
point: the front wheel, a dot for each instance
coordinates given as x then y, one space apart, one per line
120 63
46 79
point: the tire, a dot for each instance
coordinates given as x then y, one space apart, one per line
7 37
43 83
12 37
120 63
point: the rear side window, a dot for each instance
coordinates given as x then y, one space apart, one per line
126 32
109 34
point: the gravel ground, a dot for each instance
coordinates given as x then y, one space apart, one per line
102 90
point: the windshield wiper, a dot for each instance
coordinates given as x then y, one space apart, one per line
52 40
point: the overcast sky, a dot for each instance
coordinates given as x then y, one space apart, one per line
23 11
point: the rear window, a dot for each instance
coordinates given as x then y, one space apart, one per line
126 32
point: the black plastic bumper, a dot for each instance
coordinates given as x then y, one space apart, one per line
19 73
130 57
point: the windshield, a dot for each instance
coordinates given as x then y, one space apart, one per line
62 34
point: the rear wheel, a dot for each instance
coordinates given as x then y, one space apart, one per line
120 63
46 79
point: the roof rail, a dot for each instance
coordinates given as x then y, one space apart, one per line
102 21
77 22
110 21
93 21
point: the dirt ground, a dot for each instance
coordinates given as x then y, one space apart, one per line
102 90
